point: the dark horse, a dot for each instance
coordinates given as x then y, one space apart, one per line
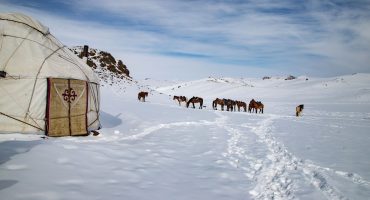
180 99
241 104
219 102
230 104
298 110
256 105
195 100
142 95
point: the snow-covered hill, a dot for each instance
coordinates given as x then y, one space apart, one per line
110 71
160 150
350 88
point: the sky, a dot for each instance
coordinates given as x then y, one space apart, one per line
192 39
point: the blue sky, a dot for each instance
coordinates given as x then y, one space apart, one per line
190 39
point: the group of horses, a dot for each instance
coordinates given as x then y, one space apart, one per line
192 100
253 106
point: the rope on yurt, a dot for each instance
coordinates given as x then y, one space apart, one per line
1 42
14 36
96 102
5 66
26 25
19 105
8 94
96 97
38 73
21 121
15 50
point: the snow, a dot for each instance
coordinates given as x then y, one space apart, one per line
160 150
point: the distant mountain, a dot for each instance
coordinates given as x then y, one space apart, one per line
340 89
109 70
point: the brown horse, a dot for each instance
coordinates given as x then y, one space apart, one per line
251 105
142 95
195 100
256 105
241 104
220 102
298 110
180 99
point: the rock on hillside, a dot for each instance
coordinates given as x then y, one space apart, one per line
109 70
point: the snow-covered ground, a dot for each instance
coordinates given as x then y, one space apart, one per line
160 150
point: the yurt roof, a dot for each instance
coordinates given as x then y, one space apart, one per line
28 50
24 19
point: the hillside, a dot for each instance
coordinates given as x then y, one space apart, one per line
354 88
110 70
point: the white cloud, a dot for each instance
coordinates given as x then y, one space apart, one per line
242 36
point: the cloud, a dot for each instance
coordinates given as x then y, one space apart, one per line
320 38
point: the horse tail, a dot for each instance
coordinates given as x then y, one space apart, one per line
297 111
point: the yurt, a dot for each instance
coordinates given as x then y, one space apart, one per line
44 87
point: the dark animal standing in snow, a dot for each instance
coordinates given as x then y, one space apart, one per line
142 95
220 102
230 104
256 105
180 99
298 110
241 104
195 100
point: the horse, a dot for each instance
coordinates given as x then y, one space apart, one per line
195 100
241 104
230 104
256 105
298 110
142 95
219 102
180 99
259 106
251 105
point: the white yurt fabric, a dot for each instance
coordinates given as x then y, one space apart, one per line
29 57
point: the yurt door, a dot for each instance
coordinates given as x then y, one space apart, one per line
66 107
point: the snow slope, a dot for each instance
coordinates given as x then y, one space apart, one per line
160 150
